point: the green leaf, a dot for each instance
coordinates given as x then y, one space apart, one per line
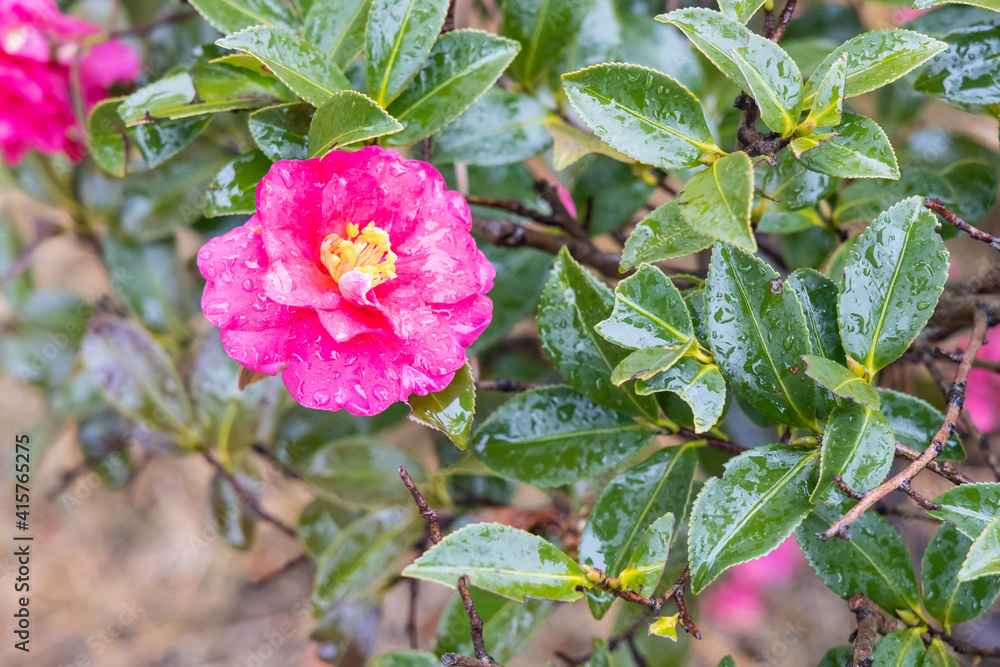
337 28
835 657
405 658
828 106
758 334
858 445
161 140
753 63
965 74
892 281
915 421
346 118
970 507
947 599
450 410
544 30
642 113
841 381
502 127
877 58
984 554
108 140
502 560
572 304
229 16
859 149
904 648
699 385
649 311
740 10
461 67
874 561
717 201
645 565
297 63
864 200
399 37
663 234
281 131
630 504
818 296
644 364
319 524
793 185
360 472
985 4
937 655
234 189
151 281
744 515
508 626
552 436
601 655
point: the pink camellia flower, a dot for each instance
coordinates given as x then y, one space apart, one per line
357 278
38 47
982 396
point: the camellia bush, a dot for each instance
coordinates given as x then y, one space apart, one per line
600 246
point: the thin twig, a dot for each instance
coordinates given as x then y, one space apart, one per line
784 20
515 207
938 207
921 500
248 499
966 648
505 385
411 614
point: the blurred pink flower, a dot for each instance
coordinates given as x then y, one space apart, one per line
38 46
358 278
906 14
982 394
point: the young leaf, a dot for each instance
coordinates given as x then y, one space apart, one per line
858 445
984 554
508 626
892 281
663 125
573 302
828 106
503 560
740 10
645 565
502 127
544 30
755 64
337 28
841 381
915 421
760 500
717 201
461 67
281 131
644 364
904 648
699 385
234 189
229 17
663 234
665 626
297 63
969 506
874 561
758 334
347 117
570 144
399 37
859 149
818 295
450 410
552 436
649 311
947 599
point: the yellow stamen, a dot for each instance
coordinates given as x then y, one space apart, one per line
365 250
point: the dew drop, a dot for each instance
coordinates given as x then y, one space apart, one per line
321 398
249 285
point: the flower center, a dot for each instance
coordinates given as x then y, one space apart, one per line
365 250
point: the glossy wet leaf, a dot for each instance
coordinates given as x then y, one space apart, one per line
347 117
841 381
701 386
108 140
572 304
859 149
361 558
892 281
645 565
755 64
234 189
503 560
609 193
600 656
758 334
966 72
947 599
161 140
984 555
231 517
552 436
150 280
544 30
649 311
663 234
399 37
716 202
828 105
405 658
915 422
858 445
300 65
794 186
760 500
740 10
337 28
360 472
644 364
865 199
818 296
598 41
281 131
970 507
985 4
461 67
642 113
835 657
450 410
876 58
229 16
502 127
904 648
508 626
874 561
937 655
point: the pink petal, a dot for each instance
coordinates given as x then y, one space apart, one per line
264 351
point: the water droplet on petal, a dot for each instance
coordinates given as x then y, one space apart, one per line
249 285
321 398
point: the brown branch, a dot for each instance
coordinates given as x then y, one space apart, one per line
247 498
943 468
921 500
966 648
784 20
718 443
956 396
411 614
871 621
938 207
845 489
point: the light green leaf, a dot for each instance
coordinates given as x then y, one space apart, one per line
970 507
741 10
644 364
649 311
234 189
985 4
503 560
281 131
502 127
663 234
828 105
915 421
984 554
858 445
665 626
760 500
570 144
405 658
892 281
399 37
717 201
937 655
662 126
947 599
699 385
450 410
508 626
859 149
337 28
347 117
544 28
904 648
107 137
229 16
841 381
645 565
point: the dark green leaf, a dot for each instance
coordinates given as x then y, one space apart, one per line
345 118
159 141
360 472
234 189
984 555
794 186
859 149
717 201
947 599
337 28
858 445
966 72
228 16
508 626
609 193
818 296
904 648
915 421
865 199
108 140
838 657
841 381
699 385
648 312
399 37
663 234
598 40
450 410
969 506
280 131
319 524
544 30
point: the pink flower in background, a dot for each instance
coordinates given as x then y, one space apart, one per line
357 278
982 395
38 47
